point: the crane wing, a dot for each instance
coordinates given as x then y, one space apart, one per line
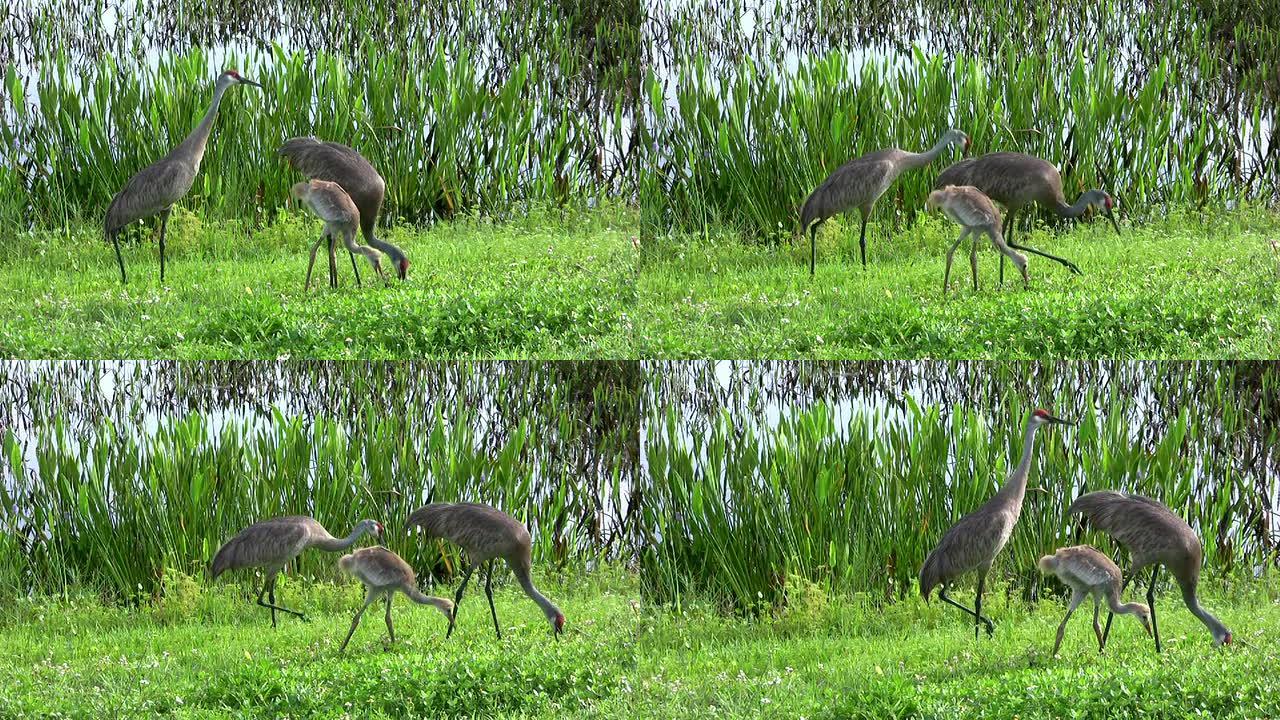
151 190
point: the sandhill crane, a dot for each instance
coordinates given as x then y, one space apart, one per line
973 211
335 162
383 573
974 542
331 203
485 533
860 182
1016 180
1154 536
271 544
155 188
1088 572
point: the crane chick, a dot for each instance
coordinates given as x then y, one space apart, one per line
329 202
966 206
383 573
1089 572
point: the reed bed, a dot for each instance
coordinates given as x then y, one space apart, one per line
851 492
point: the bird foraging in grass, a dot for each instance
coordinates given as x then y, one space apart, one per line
385 573
967 207
1088 572
329 202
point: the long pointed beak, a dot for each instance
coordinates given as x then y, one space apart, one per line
1060 421
247 81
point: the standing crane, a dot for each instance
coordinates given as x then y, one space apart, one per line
975 541
1154 536
155 188
486 533
973 211
383 573
271 544
329 202
860 182
1016 180
1088 572
335 162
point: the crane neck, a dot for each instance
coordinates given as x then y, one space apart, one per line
192 148
1016 486
526 583
1082 204
1119 608
333 544
919 160
1216 628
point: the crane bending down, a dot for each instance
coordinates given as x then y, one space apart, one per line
335 162
486 533
329 202
1154 536
860 182
1088 572
383 573
271 544
975 541
1016 180
973 211
155 189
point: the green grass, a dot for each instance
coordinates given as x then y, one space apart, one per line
549 285
1186 286
209 653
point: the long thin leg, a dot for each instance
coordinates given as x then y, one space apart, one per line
862 240
973 260
947 599
269 589
333 261
997 239
977 605
1097 630
353 248
115 240
164 225
1076 597
1124 583
457 600
368 600
813 246
1008 222
488 590
390 630
354 269
312 263
1070 265
946 276
1151 602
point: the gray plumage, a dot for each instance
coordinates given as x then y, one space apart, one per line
1154 537
859 183
272 544
155 188
1016 180
335 162
966 206
486 534
975 541
1088 572
383 574
329 202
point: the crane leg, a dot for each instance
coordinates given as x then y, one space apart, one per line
391 631
813 246
1065 262
457 599
947 599
354 269
269 589
488 590
862 241
115 240
1151 603
1097 630
312 263
977 607
1008 222
1076 598
164 225
973 260
368 600
333 261
1124 583
946 276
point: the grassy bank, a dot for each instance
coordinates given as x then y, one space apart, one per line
549 285
1189 285
208 653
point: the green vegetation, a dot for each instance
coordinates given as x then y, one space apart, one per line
552 284
209 653
1189 285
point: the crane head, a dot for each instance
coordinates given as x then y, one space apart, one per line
232 77
402 268
558 623
1143 614
1044 417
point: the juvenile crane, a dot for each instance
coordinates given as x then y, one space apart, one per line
271 544
329 202
383 573
335 162
975 541
860 182
1090 573
1016 180
973 211
1154 536
155 189
486 533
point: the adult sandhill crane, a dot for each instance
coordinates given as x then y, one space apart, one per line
973 211
335 162
1154 536
1016 180
271 544
1088 572
155 188
860 182
485 533
329 202
975 541
383 573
